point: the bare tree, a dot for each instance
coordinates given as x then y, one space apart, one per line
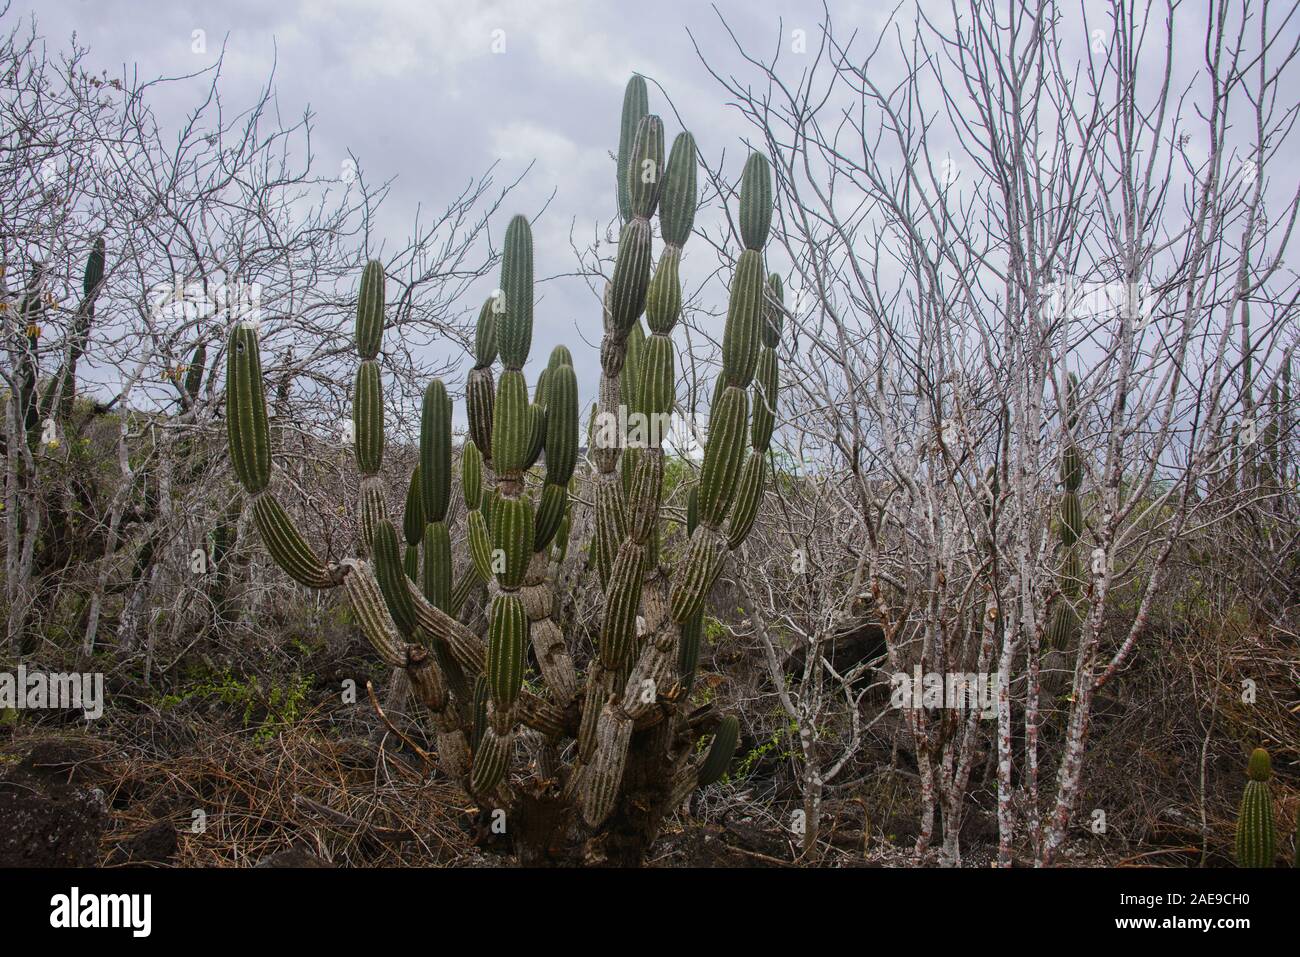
975 207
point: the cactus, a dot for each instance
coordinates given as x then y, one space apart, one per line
62 389
1064 625
1256 837
636 735
721 751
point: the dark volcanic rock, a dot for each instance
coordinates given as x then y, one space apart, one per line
46 818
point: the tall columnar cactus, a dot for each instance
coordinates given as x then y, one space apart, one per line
1065 622
1256 836
65 382
636 738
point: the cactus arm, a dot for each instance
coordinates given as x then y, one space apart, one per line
561 446
514 427
636 105
1065 623
724 451
721 751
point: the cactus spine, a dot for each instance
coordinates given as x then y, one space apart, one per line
1256 837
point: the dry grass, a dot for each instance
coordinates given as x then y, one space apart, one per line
346 801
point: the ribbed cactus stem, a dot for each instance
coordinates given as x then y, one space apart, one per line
721 751
1256 841
1065 622
636 105
247 426
370 311
514 320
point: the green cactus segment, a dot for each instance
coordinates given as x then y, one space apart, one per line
368 418
644 492
740 336
370 310
1256 839
94 274
688 650
551 510
507 640
1071 519
413 512
485 335
765 394
471 474
658 380
479 715
663 301
678 198
491 759
1072 574
610 527
536 434
1071 468
411 562
435 452
723 749
1260 767
562 536
561 425
695 576
622 600
560 356
755 201
636 104
246 421
539 391
515 322
692 510
479 391
723 455
288 548
1072 401
374 509
629 380
646 172
392 578
627 288
773 312
480 544
465 585
512 428
194 371
436 583
1062 628
512 539
749 493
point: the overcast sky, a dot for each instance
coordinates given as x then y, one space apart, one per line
431 93
416 91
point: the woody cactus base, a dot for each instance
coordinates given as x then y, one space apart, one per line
640 749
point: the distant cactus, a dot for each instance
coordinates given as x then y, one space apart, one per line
1256 836
635 734
1063 628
